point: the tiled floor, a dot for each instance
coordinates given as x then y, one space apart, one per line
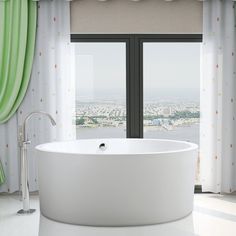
214 215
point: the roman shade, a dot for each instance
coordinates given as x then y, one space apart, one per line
144 16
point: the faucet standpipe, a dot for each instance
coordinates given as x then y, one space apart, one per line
23 141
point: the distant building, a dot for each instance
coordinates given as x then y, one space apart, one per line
167 111
161 121
157 122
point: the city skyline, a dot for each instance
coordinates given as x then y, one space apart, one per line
171 90
153 95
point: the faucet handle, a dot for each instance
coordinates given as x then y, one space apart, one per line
20 135
26 142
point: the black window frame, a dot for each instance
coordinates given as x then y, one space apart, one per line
134 69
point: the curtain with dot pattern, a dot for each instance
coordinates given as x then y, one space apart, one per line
50 90
218 97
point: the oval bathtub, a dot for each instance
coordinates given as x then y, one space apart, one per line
122 182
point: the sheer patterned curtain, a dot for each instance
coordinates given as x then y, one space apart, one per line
50 89
218 97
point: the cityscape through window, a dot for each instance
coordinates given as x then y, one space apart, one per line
101 90
171 90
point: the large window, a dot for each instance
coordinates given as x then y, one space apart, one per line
138 86
171 90
100 90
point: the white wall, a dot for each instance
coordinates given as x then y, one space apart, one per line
145 16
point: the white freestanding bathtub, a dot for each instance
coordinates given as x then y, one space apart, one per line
116 182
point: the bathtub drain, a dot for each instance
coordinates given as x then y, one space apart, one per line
102 146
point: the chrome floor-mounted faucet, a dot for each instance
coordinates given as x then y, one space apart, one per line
24 162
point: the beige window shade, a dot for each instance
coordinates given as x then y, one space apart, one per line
144 16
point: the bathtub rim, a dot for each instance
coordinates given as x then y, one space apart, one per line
41 148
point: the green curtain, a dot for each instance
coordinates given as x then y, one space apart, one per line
18 20
18 23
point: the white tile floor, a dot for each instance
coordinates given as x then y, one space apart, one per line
214 215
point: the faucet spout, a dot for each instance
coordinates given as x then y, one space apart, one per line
28 117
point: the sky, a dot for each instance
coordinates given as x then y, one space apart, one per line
170 70
100 69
